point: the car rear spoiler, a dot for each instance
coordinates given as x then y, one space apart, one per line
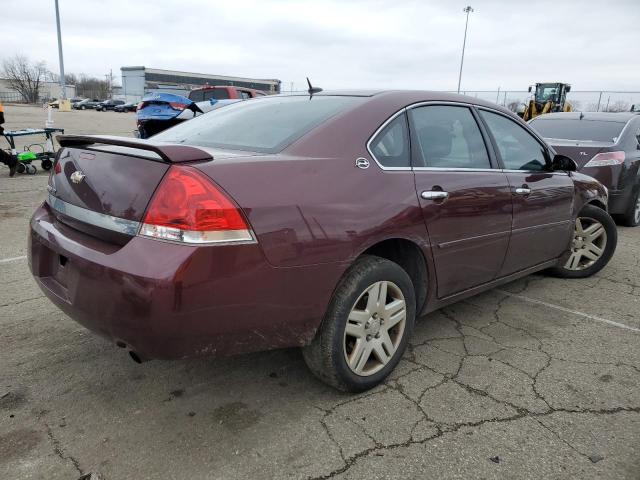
167 152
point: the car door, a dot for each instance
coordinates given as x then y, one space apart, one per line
465 198
542 199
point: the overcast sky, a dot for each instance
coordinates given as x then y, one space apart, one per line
341 44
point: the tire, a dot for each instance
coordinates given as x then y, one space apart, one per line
21 168
46 164
632 217
327 355
583 260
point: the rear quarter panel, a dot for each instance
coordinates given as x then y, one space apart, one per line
307 211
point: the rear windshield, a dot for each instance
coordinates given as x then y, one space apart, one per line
265 125
575 129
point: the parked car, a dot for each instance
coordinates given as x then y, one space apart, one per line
56 103
605 146
126 107
108 105
87 103
159 111
309 221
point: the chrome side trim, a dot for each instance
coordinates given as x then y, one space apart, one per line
543 225
97 219
387 122
440 102
506 170
454 169
474 239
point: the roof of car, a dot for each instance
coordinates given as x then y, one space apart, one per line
410 95
602 116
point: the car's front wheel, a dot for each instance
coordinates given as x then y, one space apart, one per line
632 217
366 327
593 243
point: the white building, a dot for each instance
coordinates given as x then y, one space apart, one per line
138 81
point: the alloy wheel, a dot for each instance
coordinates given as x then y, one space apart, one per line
588 244
636 211
375 328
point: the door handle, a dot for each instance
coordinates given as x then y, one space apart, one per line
523 191
434 195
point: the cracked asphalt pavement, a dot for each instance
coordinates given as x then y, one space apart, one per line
525 381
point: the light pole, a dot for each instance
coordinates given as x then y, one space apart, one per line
62 82
467 10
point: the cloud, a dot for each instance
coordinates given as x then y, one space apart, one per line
342 44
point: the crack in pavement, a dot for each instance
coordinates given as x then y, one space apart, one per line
442 428
57 446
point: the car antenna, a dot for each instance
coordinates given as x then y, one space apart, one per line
312 89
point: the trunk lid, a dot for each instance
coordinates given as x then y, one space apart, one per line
104 190
579 151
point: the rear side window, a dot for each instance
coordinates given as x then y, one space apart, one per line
390 147
518 149
576 129
218 94
265 125
447 137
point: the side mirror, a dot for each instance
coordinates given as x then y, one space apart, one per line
529 88
568 88
563 164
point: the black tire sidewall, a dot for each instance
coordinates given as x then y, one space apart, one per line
364 274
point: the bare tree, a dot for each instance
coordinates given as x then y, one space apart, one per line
618 106
24 76
91 87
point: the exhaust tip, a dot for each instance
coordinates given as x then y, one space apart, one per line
135 357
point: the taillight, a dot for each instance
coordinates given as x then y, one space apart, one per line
140 106
606 159
189 208
177 105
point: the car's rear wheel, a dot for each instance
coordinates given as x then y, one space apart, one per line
366 327
594 240
632 217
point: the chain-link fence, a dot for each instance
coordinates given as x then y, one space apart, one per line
581 100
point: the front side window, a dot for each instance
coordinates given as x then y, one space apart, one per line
391 145
447 137
518 149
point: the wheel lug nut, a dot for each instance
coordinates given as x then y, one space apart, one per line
368 338
378 335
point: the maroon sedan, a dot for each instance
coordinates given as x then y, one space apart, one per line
327 222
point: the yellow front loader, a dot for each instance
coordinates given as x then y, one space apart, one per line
548 97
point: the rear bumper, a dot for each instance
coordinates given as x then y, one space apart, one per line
164 300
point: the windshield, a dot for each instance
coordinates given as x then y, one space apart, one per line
546 92
574 129
264 125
